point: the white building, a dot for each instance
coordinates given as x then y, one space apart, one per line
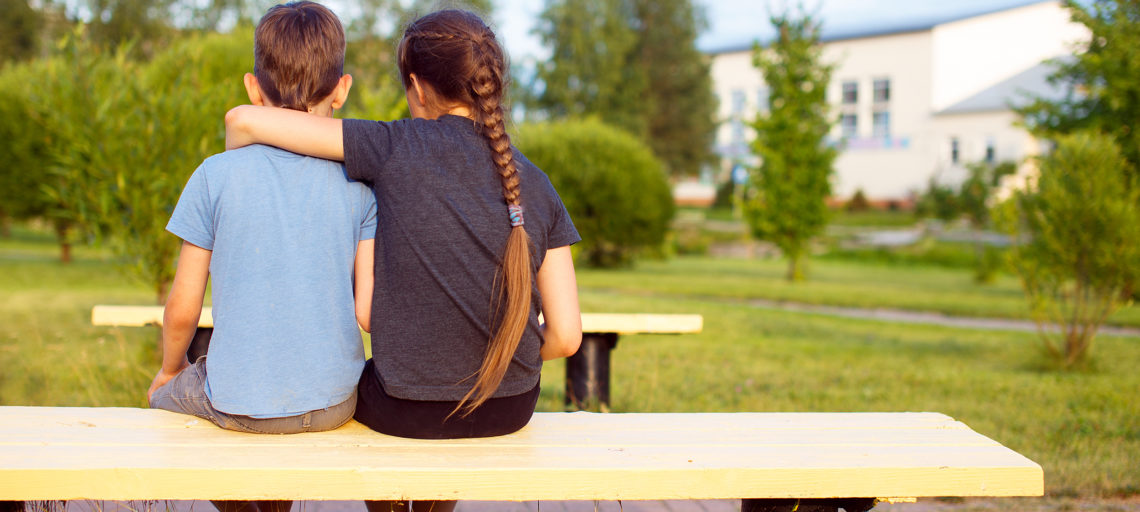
915 101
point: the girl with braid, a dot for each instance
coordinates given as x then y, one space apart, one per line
472 241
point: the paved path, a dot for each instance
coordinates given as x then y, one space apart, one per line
921 317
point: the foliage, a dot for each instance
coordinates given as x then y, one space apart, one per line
974 199
121 137
24 151
787 204
681 118
1103 92
612 185
1079 241
976 193
938 201
591 69
858 202
19 30
635 65
123 168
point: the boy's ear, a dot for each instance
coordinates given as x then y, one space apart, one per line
340 94
253 90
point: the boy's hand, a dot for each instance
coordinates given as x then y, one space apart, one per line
163 377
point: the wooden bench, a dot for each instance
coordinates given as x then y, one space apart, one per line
62 453
587 372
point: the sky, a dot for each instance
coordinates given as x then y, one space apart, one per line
735 23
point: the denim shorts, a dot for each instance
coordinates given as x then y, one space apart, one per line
186 394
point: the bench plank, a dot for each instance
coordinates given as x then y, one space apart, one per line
137 316
123 453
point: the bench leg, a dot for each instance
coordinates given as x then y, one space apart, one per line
807 505
588 373
199 344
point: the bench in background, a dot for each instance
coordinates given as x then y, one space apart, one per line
587 371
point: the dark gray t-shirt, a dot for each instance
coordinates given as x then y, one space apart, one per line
441 228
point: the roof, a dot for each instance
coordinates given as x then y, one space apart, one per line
1016 91
885 27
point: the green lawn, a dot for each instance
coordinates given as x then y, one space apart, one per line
1080 426
865 284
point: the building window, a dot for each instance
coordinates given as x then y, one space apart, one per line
850 93
882 90
738 103
848 126
881 125
991 150
955 150
762 99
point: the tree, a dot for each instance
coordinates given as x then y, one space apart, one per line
1078 241
1101 79
20 27
591 69
612 185
786 204
126 136
681 107
633 64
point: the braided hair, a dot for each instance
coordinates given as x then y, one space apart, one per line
458 55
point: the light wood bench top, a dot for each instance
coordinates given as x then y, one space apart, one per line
124 453
591 322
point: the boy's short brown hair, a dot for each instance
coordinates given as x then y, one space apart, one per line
298 54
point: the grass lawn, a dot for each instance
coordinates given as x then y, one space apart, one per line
1082 427
866 284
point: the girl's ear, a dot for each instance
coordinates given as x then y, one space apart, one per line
253 89
421 95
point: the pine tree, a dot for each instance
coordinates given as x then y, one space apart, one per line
681 107
633 64
786 205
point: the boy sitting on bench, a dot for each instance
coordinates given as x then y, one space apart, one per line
283 235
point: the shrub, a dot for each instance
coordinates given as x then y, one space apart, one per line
858 202
613 186
1078 237
938 201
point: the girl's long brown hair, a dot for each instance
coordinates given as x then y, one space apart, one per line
457 54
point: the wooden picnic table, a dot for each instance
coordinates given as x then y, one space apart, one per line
587 371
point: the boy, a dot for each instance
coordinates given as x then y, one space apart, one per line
283 236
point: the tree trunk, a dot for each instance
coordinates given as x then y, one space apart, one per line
795 267
162 290
61 229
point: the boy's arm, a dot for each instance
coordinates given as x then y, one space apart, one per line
562 330
365 252
287 129
183 308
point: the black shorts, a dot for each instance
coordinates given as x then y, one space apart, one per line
420 419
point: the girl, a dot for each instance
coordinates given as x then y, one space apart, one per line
472 240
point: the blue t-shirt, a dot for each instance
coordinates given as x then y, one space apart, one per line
283 229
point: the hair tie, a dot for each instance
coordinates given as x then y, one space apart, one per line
515 212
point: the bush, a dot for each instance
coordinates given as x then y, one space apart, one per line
1079 241
613 186
939 202
858 202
